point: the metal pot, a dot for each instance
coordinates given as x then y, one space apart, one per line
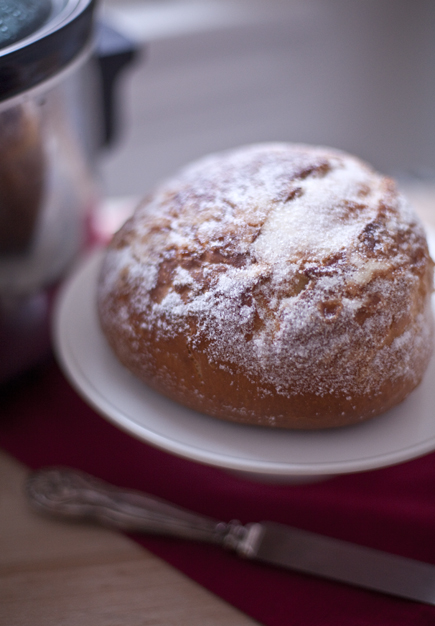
52 124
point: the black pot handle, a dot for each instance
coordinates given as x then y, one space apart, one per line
114 52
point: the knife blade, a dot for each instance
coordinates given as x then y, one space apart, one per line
69 493
342 561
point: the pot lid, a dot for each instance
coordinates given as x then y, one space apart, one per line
20 18
38 38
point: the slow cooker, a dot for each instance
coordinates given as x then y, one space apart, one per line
54 119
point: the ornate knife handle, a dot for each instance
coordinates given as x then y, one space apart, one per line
73 494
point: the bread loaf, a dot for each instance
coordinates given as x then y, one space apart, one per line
276 285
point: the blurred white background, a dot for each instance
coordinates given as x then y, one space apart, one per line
212 74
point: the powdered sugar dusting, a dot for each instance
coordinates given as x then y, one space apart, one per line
271 258
316 223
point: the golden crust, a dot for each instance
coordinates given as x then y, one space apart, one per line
277 285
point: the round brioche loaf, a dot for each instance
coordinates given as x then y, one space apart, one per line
278 285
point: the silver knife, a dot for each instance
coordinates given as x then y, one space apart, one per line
69 493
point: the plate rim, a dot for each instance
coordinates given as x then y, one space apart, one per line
82 384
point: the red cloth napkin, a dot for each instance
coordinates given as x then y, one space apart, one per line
44 422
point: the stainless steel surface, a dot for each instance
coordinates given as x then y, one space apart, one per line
72 494
49 124
47 193
53 84
346 562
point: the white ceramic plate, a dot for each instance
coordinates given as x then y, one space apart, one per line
403 433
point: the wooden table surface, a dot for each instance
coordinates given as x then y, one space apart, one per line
54 573
62 574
